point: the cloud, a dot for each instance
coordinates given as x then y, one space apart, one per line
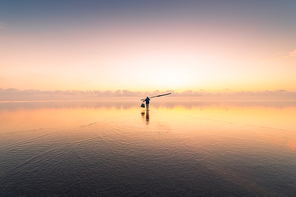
29 95
15 94
291 54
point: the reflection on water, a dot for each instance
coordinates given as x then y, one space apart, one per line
147 117
112 148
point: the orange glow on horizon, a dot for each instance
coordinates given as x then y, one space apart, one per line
181 54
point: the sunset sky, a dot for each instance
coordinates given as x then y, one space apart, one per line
148 45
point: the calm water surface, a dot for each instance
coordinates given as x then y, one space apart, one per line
178 148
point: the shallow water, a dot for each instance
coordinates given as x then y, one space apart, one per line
179 148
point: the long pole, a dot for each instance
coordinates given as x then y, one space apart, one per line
157 96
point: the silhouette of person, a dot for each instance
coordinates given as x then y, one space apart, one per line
147 103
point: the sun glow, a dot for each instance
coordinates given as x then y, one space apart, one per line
160 72
170 77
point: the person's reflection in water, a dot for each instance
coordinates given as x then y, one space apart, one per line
147 117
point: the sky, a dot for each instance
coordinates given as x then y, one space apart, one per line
208 46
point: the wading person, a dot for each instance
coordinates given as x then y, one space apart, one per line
147 100
147 103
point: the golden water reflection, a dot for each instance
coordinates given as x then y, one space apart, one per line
242 143
277 117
